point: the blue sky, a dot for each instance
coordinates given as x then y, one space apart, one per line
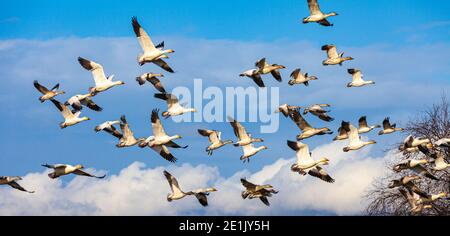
402 45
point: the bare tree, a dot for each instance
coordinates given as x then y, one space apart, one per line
434 124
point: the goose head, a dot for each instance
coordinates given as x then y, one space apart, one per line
349 85
177 136
244 194
166 114
332 14
326 130
397 168
85 118
305 20
346 149
168 51
169 197
79 167
323 161
62 125
15 178
278 66
312 78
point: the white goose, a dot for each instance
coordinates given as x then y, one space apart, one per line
70 118
443 142
159 136
357 80
240 132
316 15
265 68
108 126
177 193
214 138
250 150
317 110
408 183
257 191
47 94
64 169
12 182
439 158
285 109
343 131
333 57
127 139
410 144
299 78
355 140
388 128
364 127
412 199
307 130
255 76
78 101
153 79
102 83
152 53
173 106
415 166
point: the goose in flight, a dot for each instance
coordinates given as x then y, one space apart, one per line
412 199
255 76
240 132
162 150
64 169
388 128
285 109
299 78
343 131
316 15
364 127
357 80
70 118
47 94
317 110
415 166
177 193
127 139
102 83
274 69
159 136
307 130
443 142
410 144
257 191
333 57
355 140
173 106
78 101
306 164
249 151
408 183
12 181
151 53
432 197
153 79
439 158
108 126
214 138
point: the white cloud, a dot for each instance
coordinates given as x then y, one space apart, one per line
137 190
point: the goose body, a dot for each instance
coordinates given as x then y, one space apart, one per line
416 166
439 158
411 143
388 128
240 132
160 136
357 79
307 130
153 79
250 150
70 118
299 78
364 127
263 192
12 182
355 140
317 110
78 101
264 68
255 76
408 183
64 169
102 83
46 93
333 58
173 106
214 138
316 15
127 139
343 131
108 127
285 109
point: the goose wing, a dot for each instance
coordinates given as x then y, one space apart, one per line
325 22
302 152
40 88
158 129
126 131
421 170
238 129
172 144
95 68
314 8
83 173
91 104
299 120
295 73
164 152
320 173
161 63
173 183
248 185
258 80
408 196
325 117
144 39
353 135
387 124
363 122
65 111
261 63
113 131
157 84
265 200
172 100
356 75
344 129
331 51
213 136
427 152
17 186
202 198
277 75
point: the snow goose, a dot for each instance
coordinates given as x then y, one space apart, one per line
257 191
305 127
214 138
151 53
306 165
70 118
265 68
108 126
240 132
410 144
64 169
432 197
173 106
408 183
388 128
102 83
317 110
343 131
153 79
439 158
177 193
316 15
12 181
364 127
357 80
333 57
159 136
355 140
78 101
285 109
443 142
412 199
250 150
415 166
127 139
299 78
255 76
47 94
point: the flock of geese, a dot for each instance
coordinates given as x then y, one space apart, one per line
161 142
